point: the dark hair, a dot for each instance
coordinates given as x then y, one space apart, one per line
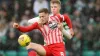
45 10
55 1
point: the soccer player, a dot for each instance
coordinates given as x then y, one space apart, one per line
49 27
55 6
55 9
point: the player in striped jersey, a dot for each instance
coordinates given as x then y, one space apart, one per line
49 26
55 9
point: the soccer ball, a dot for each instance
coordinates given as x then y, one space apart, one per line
24 40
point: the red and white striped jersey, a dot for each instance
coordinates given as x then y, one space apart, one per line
52 36
50 31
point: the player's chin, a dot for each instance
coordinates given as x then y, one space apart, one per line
54 13
44 22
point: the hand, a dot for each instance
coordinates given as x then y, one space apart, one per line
60 26
15 25
72 32
40 22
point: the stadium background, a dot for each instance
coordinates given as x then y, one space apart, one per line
84 14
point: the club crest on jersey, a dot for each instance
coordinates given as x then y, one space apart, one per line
53 24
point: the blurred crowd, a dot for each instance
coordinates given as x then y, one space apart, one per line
84 14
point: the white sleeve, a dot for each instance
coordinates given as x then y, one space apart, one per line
67 33
31 21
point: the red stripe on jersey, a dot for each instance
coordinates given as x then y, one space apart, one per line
58 40
60 17
57 19
52 37
51 18
55 35
43 33
48 40
49 35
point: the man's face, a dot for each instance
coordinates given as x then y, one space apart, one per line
44 17
55 8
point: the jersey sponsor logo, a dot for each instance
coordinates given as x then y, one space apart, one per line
53 24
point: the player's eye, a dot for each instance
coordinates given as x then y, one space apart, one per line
41 16
51 6
55 6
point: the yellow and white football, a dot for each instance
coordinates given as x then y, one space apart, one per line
24 40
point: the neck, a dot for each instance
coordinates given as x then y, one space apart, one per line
56 14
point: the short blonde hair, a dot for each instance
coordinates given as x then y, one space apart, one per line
55 1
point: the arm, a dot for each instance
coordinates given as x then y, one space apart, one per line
66 33
33 20
26 29
67 20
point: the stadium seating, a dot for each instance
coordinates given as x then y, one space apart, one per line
10 53
88 53
22 49
4 39
22 53
1 52
97 53
85 47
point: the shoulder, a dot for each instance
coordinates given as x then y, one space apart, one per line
65 15
30 21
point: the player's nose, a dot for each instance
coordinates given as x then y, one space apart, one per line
53 8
